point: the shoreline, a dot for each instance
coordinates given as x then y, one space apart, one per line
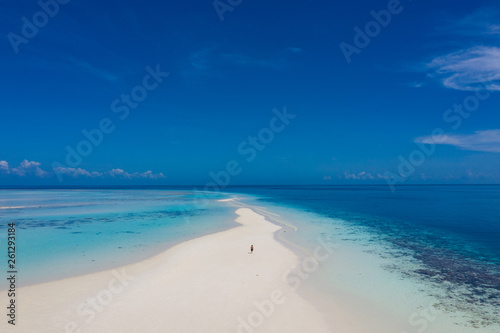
151 252
80 241
210 281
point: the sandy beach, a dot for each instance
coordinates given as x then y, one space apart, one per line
208 284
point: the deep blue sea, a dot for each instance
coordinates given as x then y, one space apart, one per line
437 244
463 218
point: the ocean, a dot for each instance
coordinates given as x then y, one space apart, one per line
426 257
437 246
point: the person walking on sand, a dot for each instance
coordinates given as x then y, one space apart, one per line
251 249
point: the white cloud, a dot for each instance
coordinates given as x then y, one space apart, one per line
487 141
477 64
4 166
119 172
471 69
79 172
29 168
76 172
146 175
361 175
149 174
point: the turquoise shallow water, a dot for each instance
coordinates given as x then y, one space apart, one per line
62 233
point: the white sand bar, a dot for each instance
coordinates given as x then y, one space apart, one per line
208 284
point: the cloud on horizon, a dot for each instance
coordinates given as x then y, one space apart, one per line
357 176
76 172
148 174
4 166
32 168
484 141
25 168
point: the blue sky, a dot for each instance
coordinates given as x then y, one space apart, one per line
168 93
